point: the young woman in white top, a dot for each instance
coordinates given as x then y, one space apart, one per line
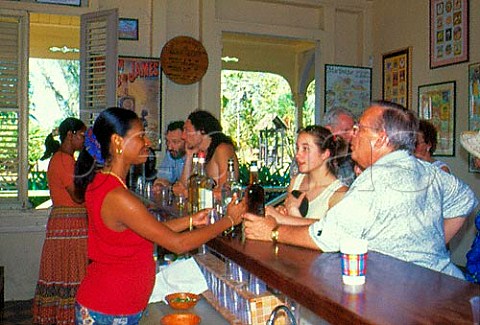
317 156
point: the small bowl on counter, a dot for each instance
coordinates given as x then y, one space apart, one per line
180 319
182 300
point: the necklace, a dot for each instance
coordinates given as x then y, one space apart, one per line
116 176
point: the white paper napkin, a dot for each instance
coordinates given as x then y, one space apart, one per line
180 276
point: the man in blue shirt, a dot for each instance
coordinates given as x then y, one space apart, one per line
172 164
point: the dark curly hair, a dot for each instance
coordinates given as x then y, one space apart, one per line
206 123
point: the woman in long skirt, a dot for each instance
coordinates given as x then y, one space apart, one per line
64 255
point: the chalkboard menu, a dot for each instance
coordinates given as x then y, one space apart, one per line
184 60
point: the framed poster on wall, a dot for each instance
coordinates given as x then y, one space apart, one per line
139 89
349 87
448 32
396 72
128 29
473 106
436 103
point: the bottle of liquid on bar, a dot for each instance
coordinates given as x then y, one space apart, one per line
231 186
193 186
255 194
205 184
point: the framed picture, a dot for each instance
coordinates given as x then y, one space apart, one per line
473 106
139 90
448 32
397 76
76 3
436 103
128 29
349 87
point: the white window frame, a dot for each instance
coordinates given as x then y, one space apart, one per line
21 199
87 111
98 63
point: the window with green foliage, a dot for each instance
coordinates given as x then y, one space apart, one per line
53 92
250 101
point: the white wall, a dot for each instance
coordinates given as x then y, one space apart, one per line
21 240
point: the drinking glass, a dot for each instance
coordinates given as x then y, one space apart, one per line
180 202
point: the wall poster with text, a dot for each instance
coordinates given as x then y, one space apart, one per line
138 89
349 87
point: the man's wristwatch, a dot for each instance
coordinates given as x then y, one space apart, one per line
274 234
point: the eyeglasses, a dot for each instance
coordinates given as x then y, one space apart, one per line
357 127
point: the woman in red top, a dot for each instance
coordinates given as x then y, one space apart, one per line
64 255
121 275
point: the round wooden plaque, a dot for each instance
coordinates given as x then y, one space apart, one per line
184 60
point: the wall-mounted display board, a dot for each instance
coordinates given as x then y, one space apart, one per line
397 76
139 90
184 60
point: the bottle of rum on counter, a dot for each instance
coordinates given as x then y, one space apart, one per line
205 184
231 186
254 193
193 186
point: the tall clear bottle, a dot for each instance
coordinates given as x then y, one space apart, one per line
255 194
193 186
205 184
231 186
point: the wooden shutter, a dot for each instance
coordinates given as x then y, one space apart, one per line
13 107
98 63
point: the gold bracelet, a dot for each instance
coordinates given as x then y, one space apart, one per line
274 234
232 228
190 220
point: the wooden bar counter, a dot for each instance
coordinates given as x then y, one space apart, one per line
395 292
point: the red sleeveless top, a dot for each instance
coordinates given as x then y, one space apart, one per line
121 275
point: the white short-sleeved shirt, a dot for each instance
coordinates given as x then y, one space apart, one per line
398 205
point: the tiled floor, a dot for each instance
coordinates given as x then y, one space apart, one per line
17 313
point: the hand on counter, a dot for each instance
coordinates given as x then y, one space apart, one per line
259 228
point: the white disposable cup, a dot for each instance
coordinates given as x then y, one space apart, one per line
353 253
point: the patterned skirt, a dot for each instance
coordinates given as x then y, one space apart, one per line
62 266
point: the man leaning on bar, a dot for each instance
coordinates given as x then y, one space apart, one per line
404 207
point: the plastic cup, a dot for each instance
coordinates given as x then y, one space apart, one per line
354 260
475 304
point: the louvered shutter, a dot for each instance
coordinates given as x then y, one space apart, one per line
13 108
98 63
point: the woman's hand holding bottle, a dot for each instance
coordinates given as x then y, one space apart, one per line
235 210
201 218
